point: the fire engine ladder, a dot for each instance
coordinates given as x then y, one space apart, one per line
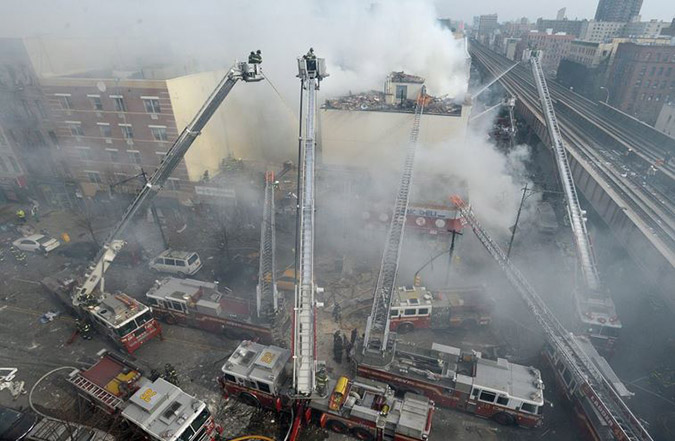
95 391
608 404
377 327
311 72
267 299
240 71
574 211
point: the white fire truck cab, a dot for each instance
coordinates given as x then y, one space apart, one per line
259 375
157 410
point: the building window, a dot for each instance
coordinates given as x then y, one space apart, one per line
96 102
84 153
159 133
653 71
114 155
660 70
64 101
15 165
127 131
173 184
105 130
119 103
134 156
75 128
151 104
94 177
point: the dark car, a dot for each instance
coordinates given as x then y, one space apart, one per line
15 425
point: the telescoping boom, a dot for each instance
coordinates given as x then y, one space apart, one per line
377 327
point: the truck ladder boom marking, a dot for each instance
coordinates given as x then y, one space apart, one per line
625 426
584 251
304 333
378 320
240 71
267 296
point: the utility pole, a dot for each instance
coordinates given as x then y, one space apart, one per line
515 226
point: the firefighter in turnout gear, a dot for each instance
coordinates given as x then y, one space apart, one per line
170 374
83 328
338 346
255 57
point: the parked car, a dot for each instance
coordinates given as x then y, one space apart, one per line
177 262
37 243
85 251
15 425
22 426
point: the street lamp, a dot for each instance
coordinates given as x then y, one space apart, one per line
606 90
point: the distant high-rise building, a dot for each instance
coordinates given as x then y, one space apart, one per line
617 10
561 14
487 24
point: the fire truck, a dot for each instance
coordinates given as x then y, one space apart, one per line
508 393
126 321
418 308
129 323
156 410
262 376
201 305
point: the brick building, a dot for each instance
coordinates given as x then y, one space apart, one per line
554 46
572 27
642 79
110 127
27 139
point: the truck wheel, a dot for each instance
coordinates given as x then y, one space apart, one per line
169 319
230 334
249 399
337 426
362 434
504 419
405 328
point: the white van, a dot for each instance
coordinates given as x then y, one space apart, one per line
177 262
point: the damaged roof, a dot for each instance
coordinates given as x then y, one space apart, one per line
402 77
376 101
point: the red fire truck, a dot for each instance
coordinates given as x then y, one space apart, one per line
156 410
418 308
201 305
261 376
506 392
127 322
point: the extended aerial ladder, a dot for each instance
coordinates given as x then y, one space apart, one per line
311 71
600 394
376 338
593 291
267 298
84 294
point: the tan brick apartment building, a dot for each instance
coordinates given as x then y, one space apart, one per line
642 79
109 129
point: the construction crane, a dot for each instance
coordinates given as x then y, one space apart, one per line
596 308
113 313
587 386
376 338
311 71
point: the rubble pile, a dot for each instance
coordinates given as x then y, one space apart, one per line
372 100
402 77
375 101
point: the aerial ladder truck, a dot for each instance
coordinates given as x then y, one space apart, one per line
377 336
580 377
594 306
126 321
293 380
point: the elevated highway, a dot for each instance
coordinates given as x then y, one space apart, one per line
610 156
